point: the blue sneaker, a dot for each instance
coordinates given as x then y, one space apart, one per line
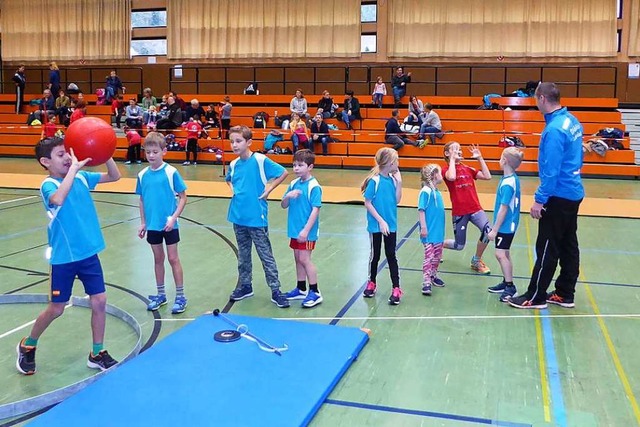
179 306
508 292
426 289
497 289
241 292
156 301
312 299
296 294
279 299
436 281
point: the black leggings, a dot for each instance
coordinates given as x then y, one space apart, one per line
389 251
192 147
133 153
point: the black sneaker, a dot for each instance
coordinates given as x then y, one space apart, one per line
523 301
497 289
554 298
102 361
436 281
508 293
279 299
26 362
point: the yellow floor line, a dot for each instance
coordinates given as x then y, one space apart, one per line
544 381
335 194
614 354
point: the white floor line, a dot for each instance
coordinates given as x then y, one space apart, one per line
6 334
472 317
180 319
17 200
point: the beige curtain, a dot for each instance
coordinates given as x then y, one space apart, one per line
41 30
263 28
634 30
512 28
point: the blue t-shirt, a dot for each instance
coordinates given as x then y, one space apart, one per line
430 201
381 190
158 189
74 230
508 194
300 208
249 179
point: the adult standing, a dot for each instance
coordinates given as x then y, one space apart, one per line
54 79
20 81
556 203
399 85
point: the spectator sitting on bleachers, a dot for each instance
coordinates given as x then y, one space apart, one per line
431 125
416 111
193 109
211 121
151 118
326 106
133 115
79 111
299 133
47 106
351 109
393 134
163 108
112 86
62 105
49 128
179 101
320 133
148 99
298 105
174 118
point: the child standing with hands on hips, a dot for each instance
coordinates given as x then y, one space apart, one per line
252 177
431 219
382 191
465 206
162 199
506 216
304 199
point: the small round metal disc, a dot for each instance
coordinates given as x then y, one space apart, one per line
226 336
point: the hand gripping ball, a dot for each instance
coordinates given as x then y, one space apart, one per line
91 137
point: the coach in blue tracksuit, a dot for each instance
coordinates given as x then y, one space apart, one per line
556 204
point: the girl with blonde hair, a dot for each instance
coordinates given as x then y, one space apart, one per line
431 219
382 190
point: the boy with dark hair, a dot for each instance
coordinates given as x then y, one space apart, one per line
75 240
252 177
162 199
304 199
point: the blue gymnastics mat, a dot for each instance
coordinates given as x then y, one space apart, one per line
188 378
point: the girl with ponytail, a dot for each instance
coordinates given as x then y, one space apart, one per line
431 219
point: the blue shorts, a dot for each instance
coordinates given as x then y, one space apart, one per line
88 270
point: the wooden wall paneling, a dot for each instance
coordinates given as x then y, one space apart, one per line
183 87
560 74
290 88
453 75
452 89
213 88
568 90
488 74
360 90
597 91
211 75
521 75
481 89
358 74
422 89
597 75
240 74
336 89
330 74
299 74
271 88
384 72
421 74
236 87
270 74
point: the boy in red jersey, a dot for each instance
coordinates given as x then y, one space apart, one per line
193 132
465 206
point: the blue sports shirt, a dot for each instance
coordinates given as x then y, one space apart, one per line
249 179
381 190
158 189
300 207
508 194
560 158
74 230
430 201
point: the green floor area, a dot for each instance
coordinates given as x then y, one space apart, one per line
457 358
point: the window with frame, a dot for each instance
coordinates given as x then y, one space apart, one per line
368 12
149 19
148 47
368 43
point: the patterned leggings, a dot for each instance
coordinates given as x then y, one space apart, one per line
432 256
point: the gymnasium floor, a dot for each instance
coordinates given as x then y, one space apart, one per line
457 358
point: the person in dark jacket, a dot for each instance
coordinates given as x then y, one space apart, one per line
326 106
174 117
20 81
393 134
556 204
351 110
399 85
320 133
112 86
54 79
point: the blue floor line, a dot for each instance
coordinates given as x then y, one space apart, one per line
553 372
464 273
430 414
358 293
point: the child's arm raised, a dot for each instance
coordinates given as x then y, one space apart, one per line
290 195
171 221
484 173
113 174
272 185
60 195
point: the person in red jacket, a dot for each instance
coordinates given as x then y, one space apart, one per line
193 128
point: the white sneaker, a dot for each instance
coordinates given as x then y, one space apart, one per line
128 162
186 163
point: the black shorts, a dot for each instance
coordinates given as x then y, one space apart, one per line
156 237
503 241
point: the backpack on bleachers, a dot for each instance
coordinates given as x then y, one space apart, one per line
260 119
511 141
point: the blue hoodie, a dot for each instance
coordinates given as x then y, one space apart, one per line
560 158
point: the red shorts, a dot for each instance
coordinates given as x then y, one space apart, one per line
306 246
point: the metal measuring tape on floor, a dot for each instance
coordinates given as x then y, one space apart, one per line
227 335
